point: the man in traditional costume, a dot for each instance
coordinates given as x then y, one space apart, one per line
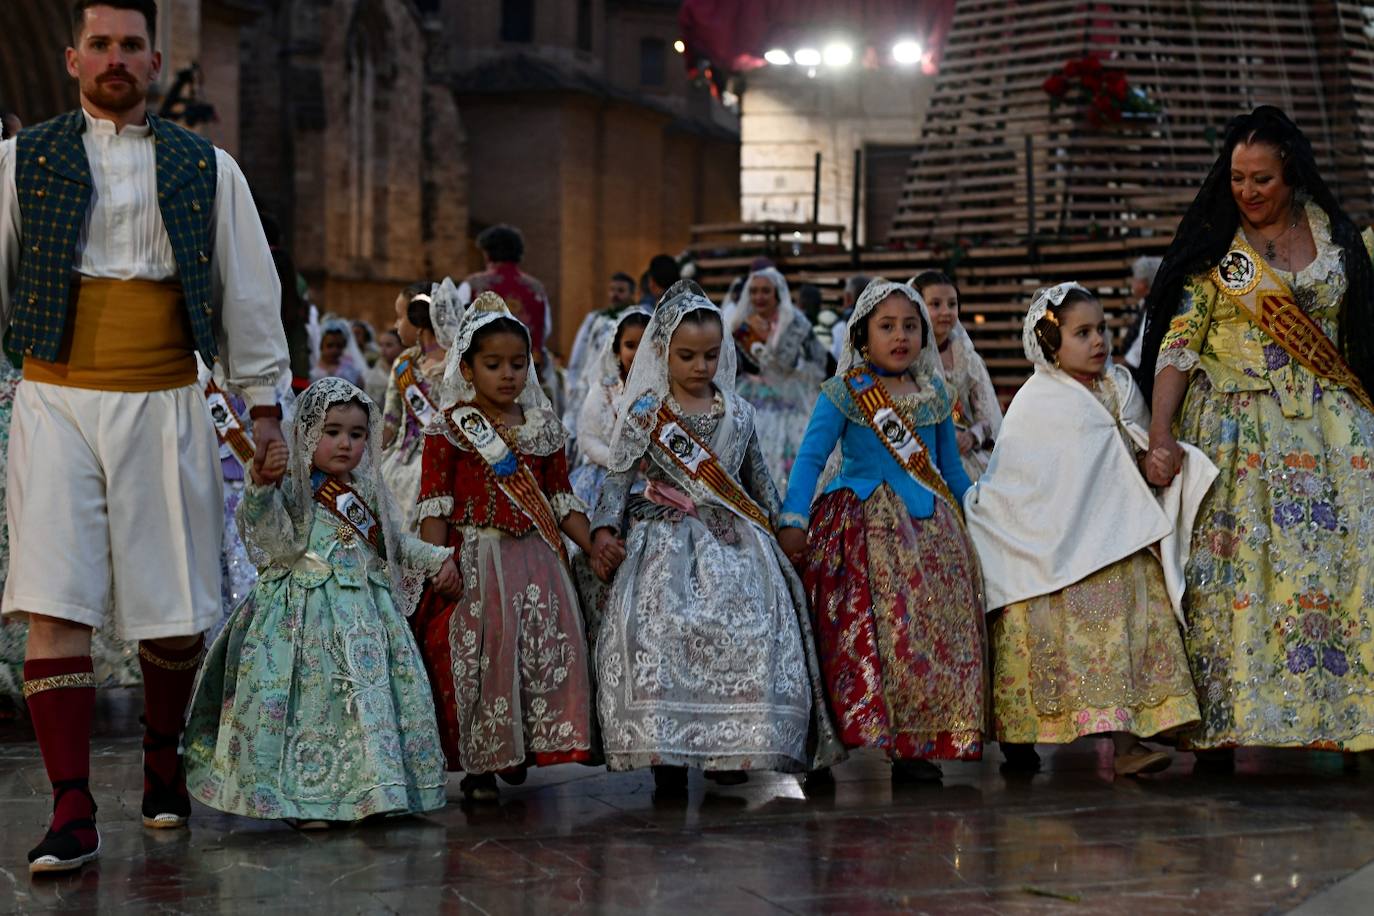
127 246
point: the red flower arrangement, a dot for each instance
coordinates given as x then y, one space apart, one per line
1104 95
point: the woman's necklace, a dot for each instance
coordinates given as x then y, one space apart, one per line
1270 252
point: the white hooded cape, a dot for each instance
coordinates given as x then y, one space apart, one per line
1063 498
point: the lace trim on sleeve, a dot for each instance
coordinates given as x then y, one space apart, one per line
565 504
1183 360
435 507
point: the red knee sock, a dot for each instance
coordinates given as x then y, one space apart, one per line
61 698
168 676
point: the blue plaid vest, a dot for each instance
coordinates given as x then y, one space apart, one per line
53 180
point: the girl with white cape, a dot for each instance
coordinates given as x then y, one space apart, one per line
1083 559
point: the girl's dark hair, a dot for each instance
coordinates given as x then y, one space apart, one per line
371 336
353 402
329 332
500 326
417 310
1206 231
632 320
928 278
858 333
1047 332
702 316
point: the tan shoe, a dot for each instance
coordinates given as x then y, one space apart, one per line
1142 760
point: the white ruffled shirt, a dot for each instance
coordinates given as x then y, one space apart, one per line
123 238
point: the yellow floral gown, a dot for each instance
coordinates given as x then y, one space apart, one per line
1101 655
1281 577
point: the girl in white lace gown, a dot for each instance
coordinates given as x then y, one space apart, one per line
705 656
781 367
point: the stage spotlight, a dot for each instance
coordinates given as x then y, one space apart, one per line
777 57
838 54
807 57
679 47
907 52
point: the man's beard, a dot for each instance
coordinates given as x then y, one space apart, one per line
115 95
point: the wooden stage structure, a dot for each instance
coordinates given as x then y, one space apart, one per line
1011 192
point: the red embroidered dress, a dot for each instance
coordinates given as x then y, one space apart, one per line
508 659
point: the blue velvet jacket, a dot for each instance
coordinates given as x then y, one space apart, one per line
867 462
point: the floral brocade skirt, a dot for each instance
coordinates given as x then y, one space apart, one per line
1102 655
899 625
508 661
312 703
1281 576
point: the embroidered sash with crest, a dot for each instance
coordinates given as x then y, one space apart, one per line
514 478
873 400
1253 285
229 426
345 502
697 461
418 404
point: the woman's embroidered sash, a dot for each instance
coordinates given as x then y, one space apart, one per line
696 460
515 479
229 426
346 503
417 402
874 401
1261 294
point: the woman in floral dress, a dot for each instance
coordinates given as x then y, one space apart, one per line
1260 348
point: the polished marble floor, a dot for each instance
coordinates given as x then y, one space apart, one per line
1278 833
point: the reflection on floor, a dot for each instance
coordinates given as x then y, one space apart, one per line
1069 840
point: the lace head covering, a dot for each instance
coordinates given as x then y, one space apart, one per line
607 360
647 386
926 370
744 307
351 354
302 433
542 433
1039 307
445 312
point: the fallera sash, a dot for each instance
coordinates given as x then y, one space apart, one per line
418 404
229 426
346 503
1261 294
696 460
514 478
874 401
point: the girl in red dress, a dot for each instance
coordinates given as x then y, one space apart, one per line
507 656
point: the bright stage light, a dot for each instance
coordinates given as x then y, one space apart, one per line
679 47
838 54
807 57
777 57
907 52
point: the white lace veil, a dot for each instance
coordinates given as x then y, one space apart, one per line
351 353
607 363
1040 305
445 312
647 386
302 433
744 308
542 433
926 370
967 363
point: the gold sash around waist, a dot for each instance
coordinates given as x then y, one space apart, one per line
122 335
